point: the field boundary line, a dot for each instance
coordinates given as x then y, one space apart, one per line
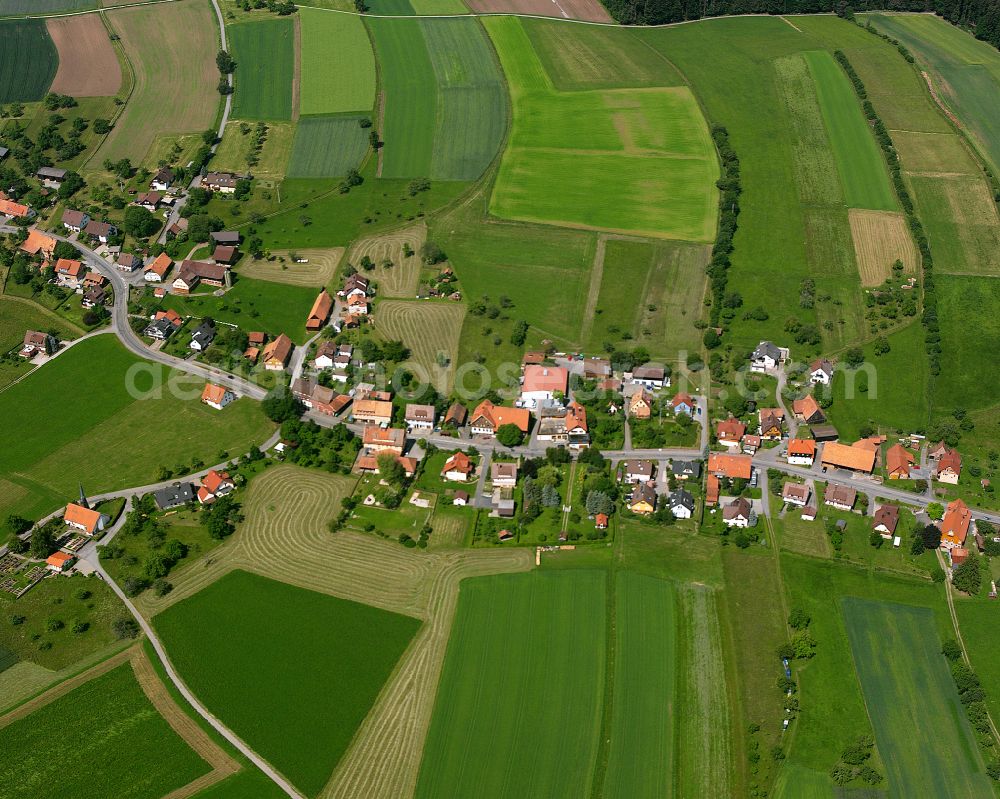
594 290
296 69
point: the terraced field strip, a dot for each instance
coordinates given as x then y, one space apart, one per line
402 278
265 54
541 637
319 269
644 712
912 702
337 64
880 239
28 60
430 329
88 63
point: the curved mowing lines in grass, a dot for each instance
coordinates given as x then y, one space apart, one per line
427 329
319 271
402 278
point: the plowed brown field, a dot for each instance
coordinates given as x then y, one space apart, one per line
88 66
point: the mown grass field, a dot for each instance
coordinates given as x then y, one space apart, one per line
299 712
622 160
859 161
644 714
962 223
978 621
317 271
105 438
337 64
28 60
327 147
117 742
445 107
402 278
265 57
172 50
429 330
541 638
235 149
912 701
970 335
880 239
18 316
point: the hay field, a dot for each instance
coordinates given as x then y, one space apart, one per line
327 147
337 64
172 49
403 277
961 222
880 239
427 328
934 153
28 60
88 64
265 54
234 151
319 271
285 537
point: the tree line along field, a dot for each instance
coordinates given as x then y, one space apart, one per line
28 60
300 712
444 110
104 437
265 57
337 64
623 160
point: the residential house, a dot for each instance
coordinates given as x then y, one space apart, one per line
357 306
215 484
225 255
821 371
681 504
796 494
601 521
164 324
372 412
51 177
852 458
355 286
173 495
955 525
127 262
808 513
75 221
38 343
503 475
487 418
192 273
739 513
771 423
898 462
455 416
642 500
801 452
640 405
840 497
158 269
750 444
949 467
460 498
419 417
70 273
885 520
638 471
320 313
94 280
458 468
217 397
162 179
150 200
176 228
734 467
767 357
542 383
222 182
384 439
596 368
686 470
650 376
683 403
730 431
85 519
202 337
60 562
14 210
102 231
38 243
277 353
93 297
576 425
807 410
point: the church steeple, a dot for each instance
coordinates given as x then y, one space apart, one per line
83 498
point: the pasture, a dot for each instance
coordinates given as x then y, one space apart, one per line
961 221
402 276
300 713
171 47
978 624
88 63
543 635
970 336
235 150
327 147
337 64
18 315
859 161
104 439
934 152
643 162
880 239
454 130
28 60
265 57
109 730
429 329
912 701
320 266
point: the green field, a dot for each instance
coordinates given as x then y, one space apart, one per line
28 60
626 160
445 110
978 621
265 57
644 713
104 738
105 438
859 161
327 147
44 6
17 317
337 64
537 640
970 336
912 702
302 668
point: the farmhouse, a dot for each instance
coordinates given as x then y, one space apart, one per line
223 182
419 417
801 451
739 513
357 305
767 356
354 286
542 383
59 562
277 353
320 313
223 254
85 519
852 458
650 376
457 468
796 494
14 210
158 269
637 471
194 272
955 525
840 497
330 355
730 431
898 462
642 499
807 410
70 273
734 467
202 337
372 412
640 405
51 177
503 475
771 421
174 495
681 504
683 403
217 397
75 221
949 467
885 520
38 243
487 418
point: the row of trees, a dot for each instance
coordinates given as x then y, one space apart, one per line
730 188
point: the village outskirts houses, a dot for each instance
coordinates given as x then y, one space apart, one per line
222 182
215 484
956 525
796 494
640 405
739 513
319 315
37 342
801 452
681 504
70 273
638 471
885 520
487 418
541 384
419 418
898 462
157 270
730 432
277 353
642 500
821 372
767 357
75 221
163 325
216 396
14 210
458 468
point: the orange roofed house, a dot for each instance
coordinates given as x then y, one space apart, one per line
217 397
730 431
949 467
955 525
85 519
372 411
59 562
853 458
734 467
215 484
320 313
457 468
277 353
898 462
487 418
542 383
808 410
38 243
15 210
158 269
802 451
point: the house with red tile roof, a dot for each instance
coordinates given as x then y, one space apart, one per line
898 462
955 525
730 431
